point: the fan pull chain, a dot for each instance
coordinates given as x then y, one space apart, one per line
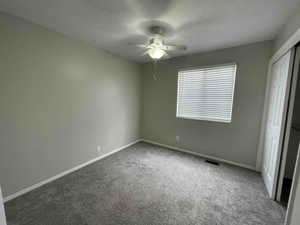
154 70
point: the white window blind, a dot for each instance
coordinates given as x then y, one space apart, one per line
206 93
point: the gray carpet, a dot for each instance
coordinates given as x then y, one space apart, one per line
149 185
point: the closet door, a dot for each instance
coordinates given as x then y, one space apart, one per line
288 128
276 118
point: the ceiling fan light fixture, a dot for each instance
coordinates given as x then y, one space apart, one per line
156 53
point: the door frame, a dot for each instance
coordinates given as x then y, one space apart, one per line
288 125
285 47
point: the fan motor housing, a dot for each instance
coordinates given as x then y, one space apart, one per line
157 30
156 41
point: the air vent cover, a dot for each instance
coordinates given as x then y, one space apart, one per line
212 162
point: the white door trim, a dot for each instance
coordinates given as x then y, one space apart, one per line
2 212
290 43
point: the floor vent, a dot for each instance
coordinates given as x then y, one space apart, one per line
212 162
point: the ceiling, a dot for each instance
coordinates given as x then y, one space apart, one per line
201 25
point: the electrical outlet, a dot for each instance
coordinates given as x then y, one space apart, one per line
99 149
177 138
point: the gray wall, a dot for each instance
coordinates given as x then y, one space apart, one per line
60 98
236 141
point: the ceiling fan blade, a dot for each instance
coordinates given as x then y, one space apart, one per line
139 45
174 47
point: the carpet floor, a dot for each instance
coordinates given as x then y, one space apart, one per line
149 185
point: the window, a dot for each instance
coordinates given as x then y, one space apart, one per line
206 93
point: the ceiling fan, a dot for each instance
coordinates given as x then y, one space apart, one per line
156 47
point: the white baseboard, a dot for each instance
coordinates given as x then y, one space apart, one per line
30 188
199 154
25 190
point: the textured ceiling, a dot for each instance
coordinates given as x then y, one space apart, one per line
202 25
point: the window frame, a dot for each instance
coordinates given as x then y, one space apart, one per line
232 97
